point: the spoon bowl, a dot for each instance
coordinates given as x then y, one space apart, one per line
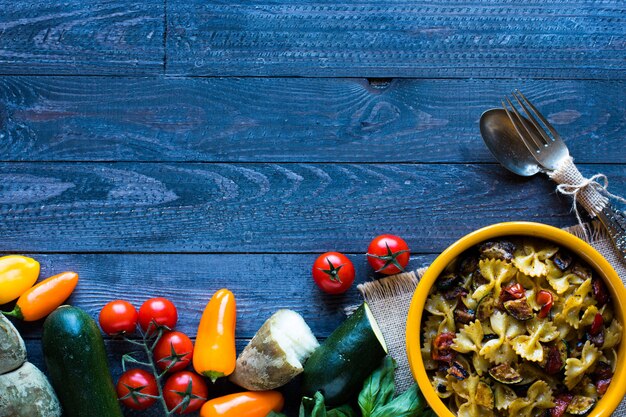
502 139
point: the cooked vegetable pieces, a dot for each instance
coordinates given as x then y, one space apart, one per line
530 328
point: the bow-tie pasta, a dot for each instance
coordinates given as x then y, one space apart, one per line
516 326
539 396
531 258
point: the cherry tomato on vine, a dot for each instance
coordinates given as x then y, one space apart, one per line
187 388
134 386
118 317
174 350
159 311
388 254
333 272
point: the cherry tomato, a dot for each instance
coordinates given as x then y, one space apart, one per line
187 388
515 290
561 402
596 326
133 387
118 317
441 347
388 254
554 361
600 292
333 272
545 299
174 350
602 385
159 312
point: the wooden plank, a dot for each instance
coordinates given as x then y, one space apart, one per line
130 207
188 280
399 38
262 284
294 120
78 37
117 348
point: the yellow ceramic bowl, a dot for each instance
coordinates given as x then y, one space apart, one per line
616 390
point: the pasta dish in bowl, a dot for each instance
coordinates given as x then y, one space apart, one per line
519 319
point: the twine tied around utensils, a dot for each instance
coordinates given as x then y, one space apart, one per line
592 193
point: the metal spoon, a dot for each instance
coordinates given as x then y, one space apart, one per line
504 143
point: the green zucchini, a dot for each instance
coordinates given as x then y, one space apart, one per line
555 357
77 364
351 353
580 405
564 350
458 371
484 395
519 309
505 374
485 307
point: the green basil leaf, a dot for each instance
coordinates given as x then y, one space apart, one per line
429 413
275 414
313 407
378 388
343 411
409 404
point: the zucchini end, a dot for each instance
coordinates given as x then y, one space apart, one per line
375 328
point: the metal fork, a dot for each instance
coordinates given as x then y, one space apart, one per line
549 150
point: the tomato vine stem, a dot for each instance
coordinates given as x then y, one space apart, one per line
148 346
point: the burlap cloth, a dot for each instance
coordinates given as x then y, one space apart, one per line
389 299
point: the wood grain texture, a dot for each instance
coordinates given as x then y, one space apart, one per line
78 37
294 120
120 160
118 348
262 285
104 207
398 38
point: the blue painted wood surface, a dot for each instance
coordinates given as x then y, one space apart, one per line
289 119
266 208
398 38
173 148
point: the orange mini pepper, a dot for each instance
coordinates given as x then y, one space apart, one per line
244 404
214 355
42 299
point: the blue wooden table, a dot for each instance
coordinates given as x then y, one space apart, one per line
175 148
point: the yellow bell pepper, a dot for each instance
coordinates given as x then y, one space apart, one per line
17 274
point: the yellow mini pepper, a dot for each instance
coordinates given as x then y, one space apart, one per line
17 274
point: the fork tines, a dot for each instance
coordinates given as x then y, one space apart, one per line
527 126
